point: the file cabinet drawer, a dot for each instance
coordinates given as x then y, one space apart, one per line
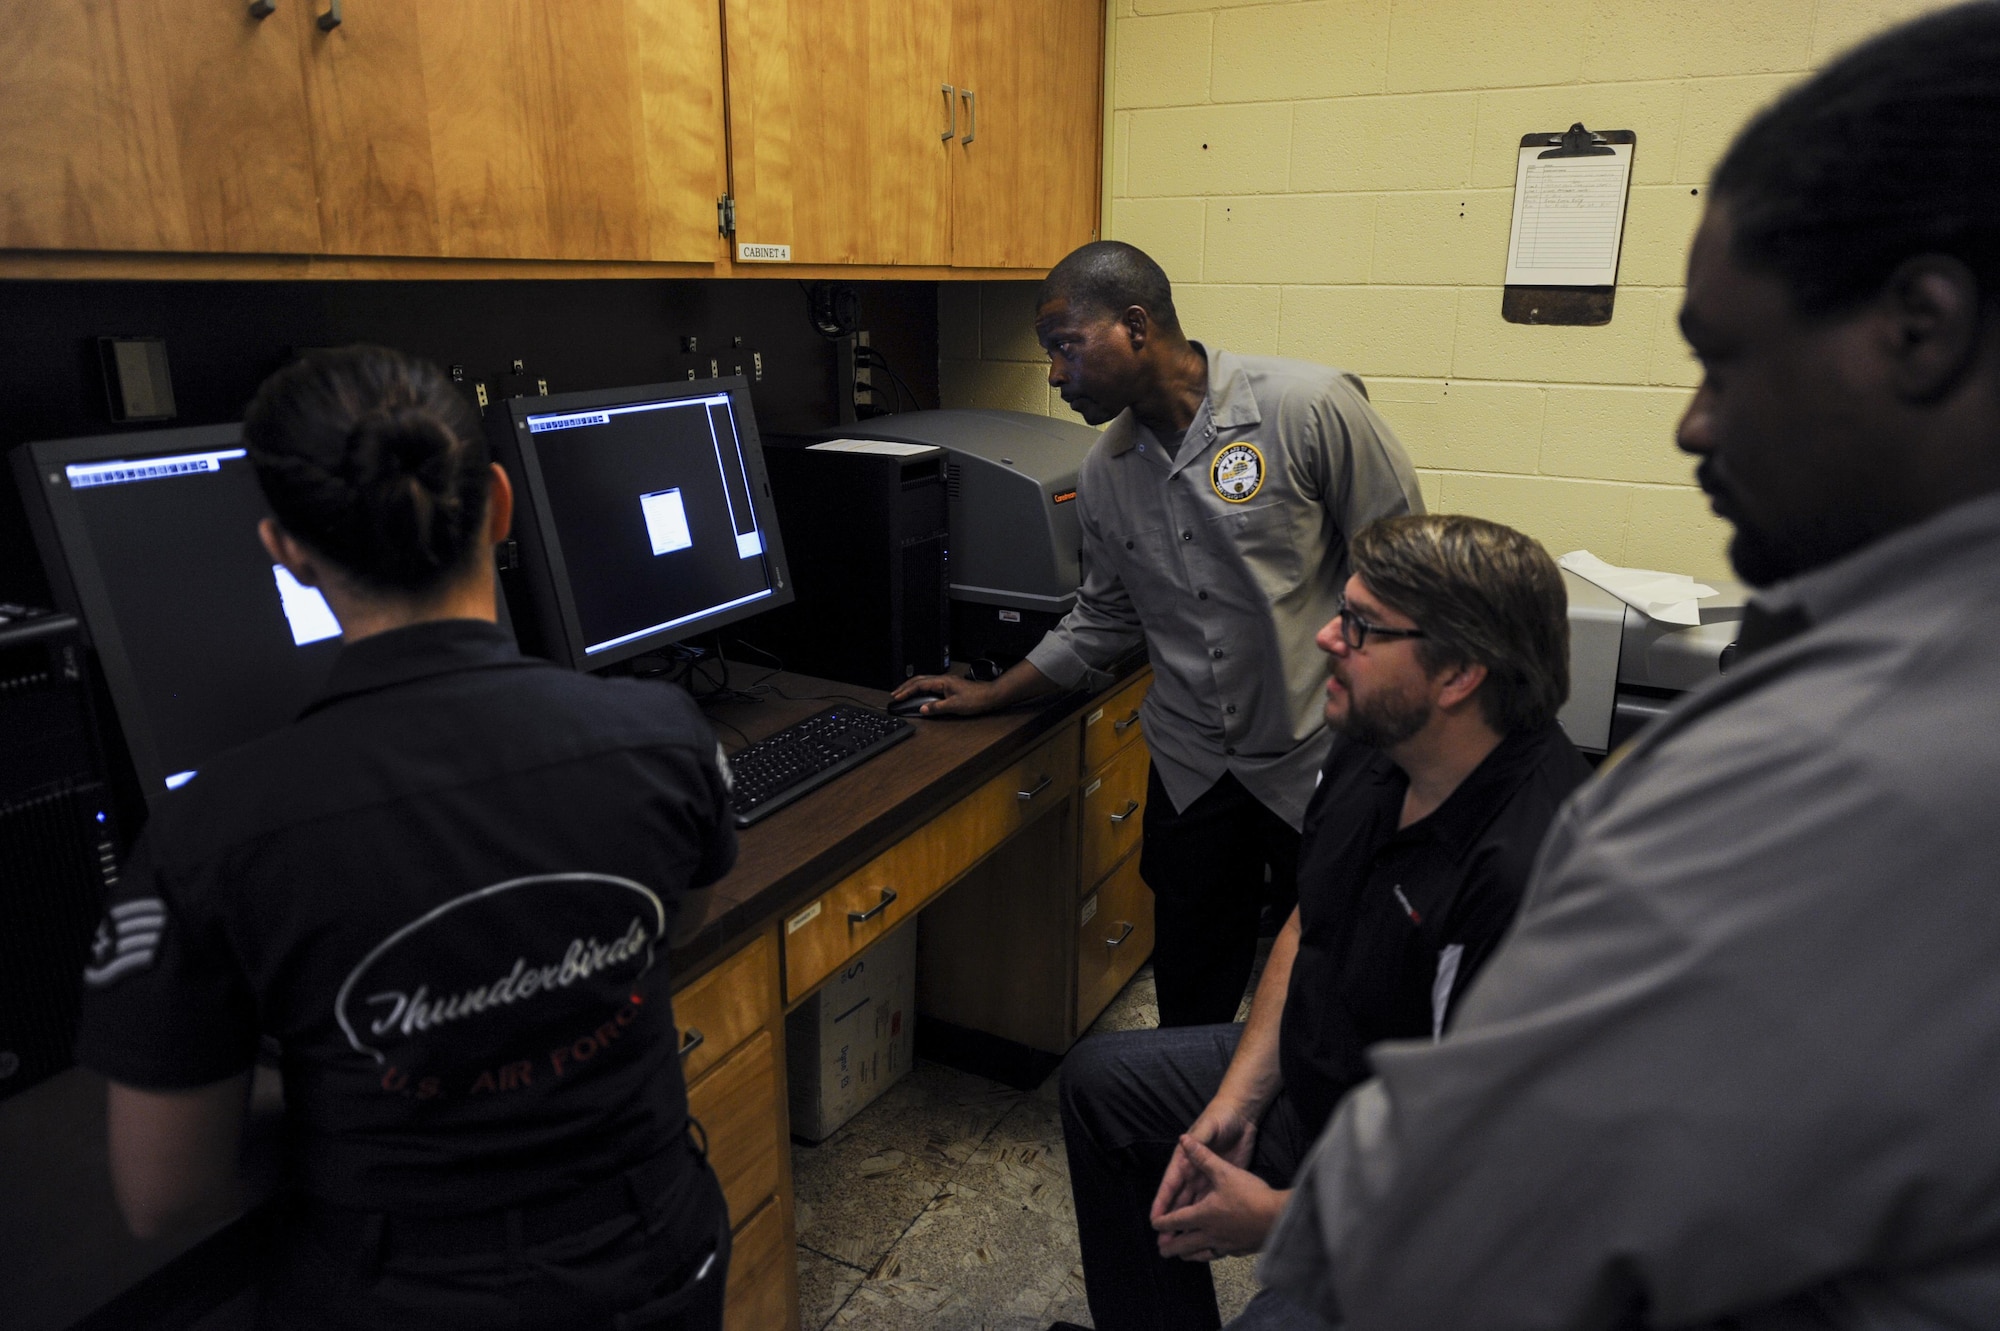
1114 804
1114 938
761 1272
874 899
1113 724
725 1007
740 1110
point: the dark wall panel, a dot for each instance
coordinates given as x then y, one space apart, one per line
224 337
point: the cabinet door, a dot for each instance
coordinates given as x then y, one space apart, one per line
573 131
364 84
835 128
152 125
1024 191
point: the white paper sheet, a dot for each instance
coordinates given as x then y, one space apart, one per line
1671 598
1569 213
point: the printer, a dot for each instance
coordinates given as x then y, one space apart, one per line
1626 668
1010 492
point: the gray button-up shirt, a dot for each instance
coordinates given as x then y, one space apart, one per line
1740 1057
1227 558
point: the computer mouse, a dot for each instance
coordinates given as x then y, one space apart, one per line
911 705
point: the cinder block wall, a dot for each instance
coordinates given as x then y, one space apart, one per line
1333 180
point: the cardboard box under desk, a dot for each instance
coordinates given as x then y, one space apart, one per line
850 1041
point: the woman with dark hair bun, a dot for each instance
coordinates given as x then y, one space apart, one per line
447 891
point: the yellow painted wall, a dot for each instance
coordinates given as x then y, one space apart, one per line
1333 180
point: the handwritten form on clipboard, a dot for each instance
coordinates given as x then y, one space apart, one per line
1569 216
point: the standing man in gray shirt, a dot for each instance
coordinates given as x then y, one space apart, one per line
1215 512
1739 1063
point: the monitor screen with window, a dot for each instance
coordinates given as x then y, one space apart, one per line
643 517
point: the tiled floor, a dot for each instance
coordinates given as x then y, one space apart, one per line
945 1206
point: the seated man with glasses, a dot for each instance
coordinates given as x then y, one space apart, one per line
1449 660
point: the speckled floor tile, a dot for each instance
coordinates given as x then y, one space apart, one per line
976 1258
1235 1283
936 1113
856 1196
824 1285
1136 1008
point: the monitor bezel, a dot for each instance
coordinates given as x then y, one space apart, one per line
558 634
75 577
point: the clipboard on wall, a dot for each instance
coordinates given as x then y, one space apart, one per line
1570 196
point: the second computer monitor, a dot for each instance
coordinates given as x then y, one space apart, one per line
644 517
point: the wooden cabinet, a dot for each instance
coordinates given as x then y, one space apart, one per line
1032 944
835 128
861 133
872 900
733 1054
1024 180
152 125
458 128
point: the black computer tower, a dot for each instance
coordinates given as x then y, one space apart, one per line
58 852
868 538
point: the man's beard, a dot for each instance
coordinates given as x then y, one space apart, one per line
1383 722
1762 557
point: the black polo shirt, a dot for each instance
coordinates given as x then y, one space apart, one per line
446 889
1395 923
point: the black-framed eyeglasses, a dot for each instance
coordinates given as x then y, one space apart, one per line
1354 630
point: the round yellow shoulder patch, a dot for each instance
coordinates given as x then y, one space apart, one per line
1237 473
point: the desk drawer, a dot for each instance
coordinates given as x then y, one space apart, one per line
761 1272
1114 938
739 1109
877 897
1114 723
725 1007
1114 804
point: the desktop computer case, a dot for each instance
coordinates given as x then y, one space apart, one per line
869 547
58 854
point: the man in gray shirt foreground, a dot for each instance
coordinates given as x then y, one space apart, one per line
1739 1063
1215 512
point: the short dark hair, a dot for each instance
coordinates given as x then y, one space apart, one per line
1483 594
1111 276
1889 152
372 459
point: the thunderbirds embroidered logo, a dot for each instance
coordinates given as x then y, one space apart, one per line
127 940
1237 473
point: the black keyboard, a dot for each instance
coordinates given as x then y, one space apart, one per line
807 754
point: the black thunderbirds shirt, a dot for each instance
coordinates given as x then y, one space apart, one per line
447 890
1394 924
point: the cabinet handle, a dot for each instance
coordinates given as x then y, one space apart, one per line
1120 727
262 8
950 110
971 113
1123 935
1035 789
1131 807
863 916
331 18
691 1040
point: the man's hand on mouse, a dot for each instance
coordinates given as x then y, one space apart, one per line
955 696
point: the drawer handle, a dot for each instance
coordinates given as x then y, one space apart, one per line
1131 807
691 1040
1120 727
951 110
330 20
863 916
262 9
1035 789
1122 936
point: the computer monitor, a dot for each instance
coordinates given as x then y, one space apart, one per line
643 517
151 540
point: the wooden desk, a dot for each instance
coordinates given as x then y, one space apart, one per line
985 817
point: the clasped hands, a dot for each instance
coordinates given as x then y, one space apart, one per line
1209 1204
